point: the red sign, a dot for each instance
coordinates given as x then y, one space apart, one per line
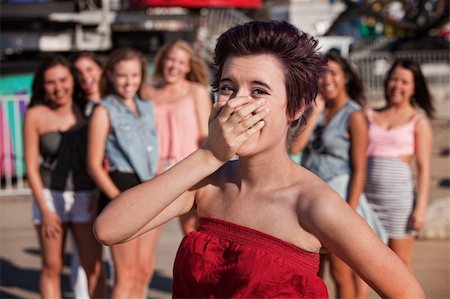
195 3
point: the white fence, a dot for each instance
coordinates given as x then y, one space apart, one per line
12 162
372 68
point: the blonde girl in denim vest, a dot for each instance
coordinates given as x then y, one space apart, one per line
122 130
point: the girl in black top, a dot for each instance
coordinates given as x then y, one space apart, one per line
55 133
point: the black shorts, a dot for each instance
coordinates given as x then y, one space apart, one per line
123 181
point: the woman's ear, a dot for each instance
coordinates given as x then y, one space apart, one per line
297 114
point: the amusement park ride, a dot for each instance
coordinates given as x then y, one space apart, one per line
100 25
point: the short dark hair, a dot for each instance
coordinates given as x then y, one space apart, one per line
421 95
38 95
296 50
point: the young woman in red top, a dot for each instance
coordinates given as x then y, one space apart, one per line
263 218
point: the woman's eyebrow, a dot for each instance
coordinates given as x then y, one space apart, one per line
257 82
226 79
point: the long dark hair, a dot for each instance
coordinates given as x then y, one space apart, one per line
353 83
39 96
86 54
422 96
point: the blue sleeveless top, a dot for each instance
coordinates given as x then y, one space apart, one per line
328 150
132 146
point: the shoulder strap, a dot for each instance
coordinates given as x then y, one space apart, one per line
416 118
369 114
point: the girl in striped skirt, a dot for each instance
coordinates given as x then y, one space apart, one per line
399 133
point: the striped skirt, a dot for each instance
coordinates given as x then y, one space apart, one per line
390 193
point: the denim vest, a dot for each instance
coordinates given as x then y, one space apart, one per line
132 146
328 150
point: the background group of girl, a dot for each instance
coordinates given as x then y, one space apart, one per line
365 155
138 130
73 150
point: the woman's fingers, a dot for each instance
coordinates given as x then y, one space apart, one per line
216 107
252 130
232 123
254 118
238 107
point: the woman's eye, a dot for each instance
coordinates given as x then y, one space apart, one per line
225 89
260 91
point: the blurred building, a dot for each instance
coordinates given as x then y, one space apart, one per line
100 25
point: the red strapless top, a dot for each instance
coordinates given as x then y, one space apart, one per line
225 260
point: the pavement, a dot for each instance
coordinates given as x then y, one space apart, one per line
20 253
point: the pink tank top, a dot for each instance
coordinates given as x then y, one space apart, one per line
391 143
178 129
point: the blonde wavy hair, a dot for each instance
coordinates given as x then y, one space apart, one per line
199 71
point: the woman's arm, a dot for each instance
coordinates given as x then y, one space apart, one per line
51 223
98 131
311 114
424 141
358 148
151 203
203 107
343 232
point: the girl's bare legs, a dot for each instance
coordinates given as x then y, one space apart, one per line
124 257
404 249
343 278
189 221
348 284
90 255
52 248
146 261
362 288
134 265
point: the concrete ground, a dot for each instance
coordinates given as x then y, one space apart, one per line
20 254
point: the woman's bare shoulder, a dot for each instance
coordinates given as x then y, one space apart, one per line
39 109
316 198
38 113
149 90
198 88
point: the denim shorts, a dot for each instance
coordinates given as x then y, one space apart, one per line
71 206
